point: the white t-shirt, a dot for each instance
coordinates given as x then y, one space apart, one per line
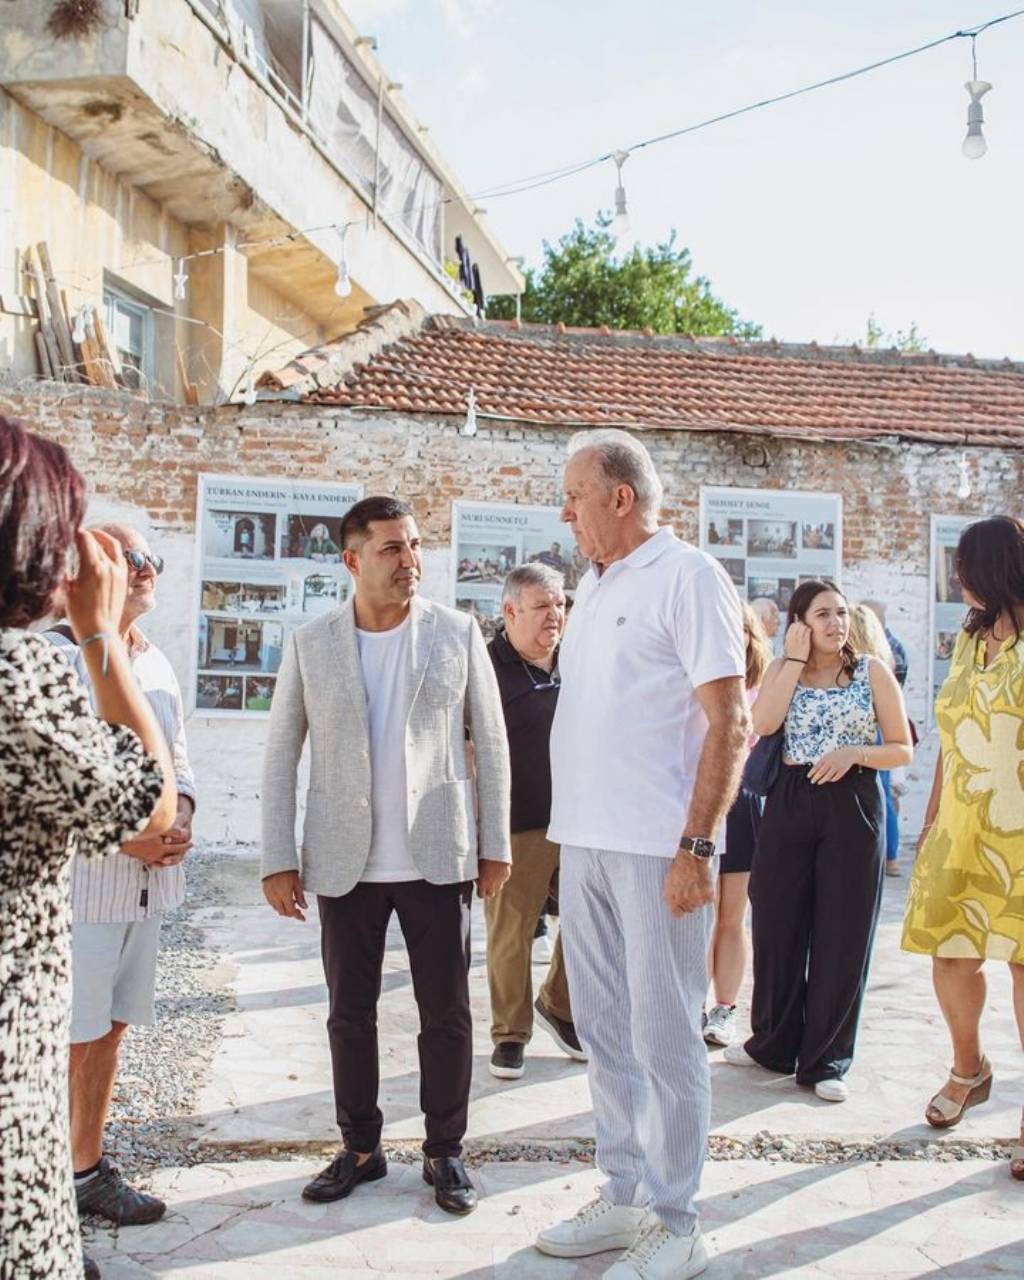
629 731
384 658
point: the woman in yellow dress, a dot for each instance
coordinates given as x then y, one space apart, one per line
966 901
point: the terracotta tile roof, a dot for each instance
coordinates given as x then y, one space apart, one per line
589 377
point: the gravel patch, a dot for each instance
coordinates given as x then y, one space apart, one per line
163 1066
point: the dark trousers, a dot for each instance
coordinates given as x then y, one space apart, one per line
815 891
435 924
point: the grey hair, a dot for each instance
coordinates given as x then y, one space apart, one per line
534 574
624 460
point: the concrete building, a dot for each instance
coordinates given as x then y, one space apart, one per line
222 142
385 408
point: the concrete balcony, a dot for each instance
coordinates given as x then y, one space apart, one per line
188 104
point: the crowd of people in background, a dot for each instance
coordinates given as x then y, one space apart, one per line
650 765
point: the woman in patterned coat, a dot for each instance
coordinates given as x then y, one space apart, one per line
966 902
67 780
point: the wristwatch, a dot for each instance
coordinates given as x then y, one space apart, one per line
698 847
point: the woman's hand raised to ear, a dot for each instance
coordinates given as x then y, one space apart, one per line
798 642
95 598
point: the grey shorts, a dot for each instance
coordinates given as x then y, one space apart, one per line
113 976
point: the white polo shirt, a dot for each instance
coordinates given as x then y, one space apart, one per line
629 730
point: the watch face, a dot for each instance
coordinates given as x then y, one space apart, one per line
699 847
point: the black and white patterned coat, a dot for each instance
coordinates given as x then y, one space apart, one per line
67 781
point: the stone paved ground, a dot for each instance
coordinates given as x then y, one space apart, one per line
889 1221
795 1187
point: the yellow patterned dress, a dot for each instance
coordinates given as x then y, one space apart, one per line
966 897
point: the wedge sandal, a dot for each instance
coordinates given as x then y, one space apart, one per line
950 1113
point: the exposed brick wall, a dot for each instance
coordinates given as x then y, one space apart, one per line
144 459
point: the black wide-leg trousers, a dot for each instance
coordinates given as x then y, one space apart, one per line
815 891
434 920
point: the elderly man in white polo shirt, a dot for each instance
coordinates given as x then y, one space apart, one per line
646 754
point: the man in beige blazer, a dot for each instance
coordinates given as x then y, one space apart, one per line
389 689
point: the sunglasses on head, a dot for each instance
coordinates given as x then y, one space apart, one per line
138 561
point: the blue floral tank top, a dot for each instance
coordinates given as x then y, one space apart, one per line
822 720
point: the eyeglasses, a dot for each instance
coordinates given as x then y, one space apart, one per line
553 681
139 559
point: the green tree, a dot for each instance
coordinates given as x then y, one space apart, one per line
582 282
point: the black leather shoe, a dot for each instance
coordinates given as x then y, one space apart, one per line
89 1268
107 1195
453 1190
507 1060
563 1033
344 1174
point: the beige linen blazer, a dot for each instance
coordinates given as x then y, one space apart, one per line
320 694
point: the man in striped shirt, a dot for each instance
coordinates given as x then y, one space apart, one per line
118 904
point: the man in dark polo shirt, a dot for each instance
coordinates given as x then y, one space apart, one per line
525 657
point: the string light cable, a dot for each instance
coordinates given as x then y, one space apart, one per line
619 155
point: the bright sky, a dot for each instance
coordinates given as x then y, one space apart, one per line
807 217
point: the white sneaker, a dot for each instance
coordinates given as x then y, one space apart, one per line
542 949
596 1227
659 1255
832 1090
721 1025
738 1056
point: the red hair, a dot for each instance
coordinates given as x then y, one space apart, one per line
42 502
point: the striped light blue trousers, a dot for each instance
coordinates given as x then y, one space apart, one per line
638 977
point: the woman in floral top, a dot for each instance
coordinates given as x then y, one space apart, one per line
817 878
966 902
68 779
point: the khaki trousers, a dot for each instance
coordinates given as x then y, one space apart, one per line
511 922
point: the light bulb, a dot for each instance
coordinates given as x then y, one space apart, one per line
620 223
469 426
343 287
964 488
78 332
180 280
974 146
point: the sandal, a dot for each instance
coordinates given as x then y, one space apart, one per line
950 1112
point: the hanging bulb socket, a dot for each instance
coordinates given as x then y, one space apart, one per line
78 333
469 426
974 145
620 223
343 287
180 280
964 490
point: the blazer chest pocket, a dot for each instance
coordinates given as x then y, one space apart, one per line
445 681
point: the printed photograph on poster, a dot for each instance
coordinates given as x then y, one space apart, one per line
737 571
727 533
818 537
485 562
490 539
321 592
312 538
239 644
269 561
218 693
259 692
238 535
243 597
771 539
